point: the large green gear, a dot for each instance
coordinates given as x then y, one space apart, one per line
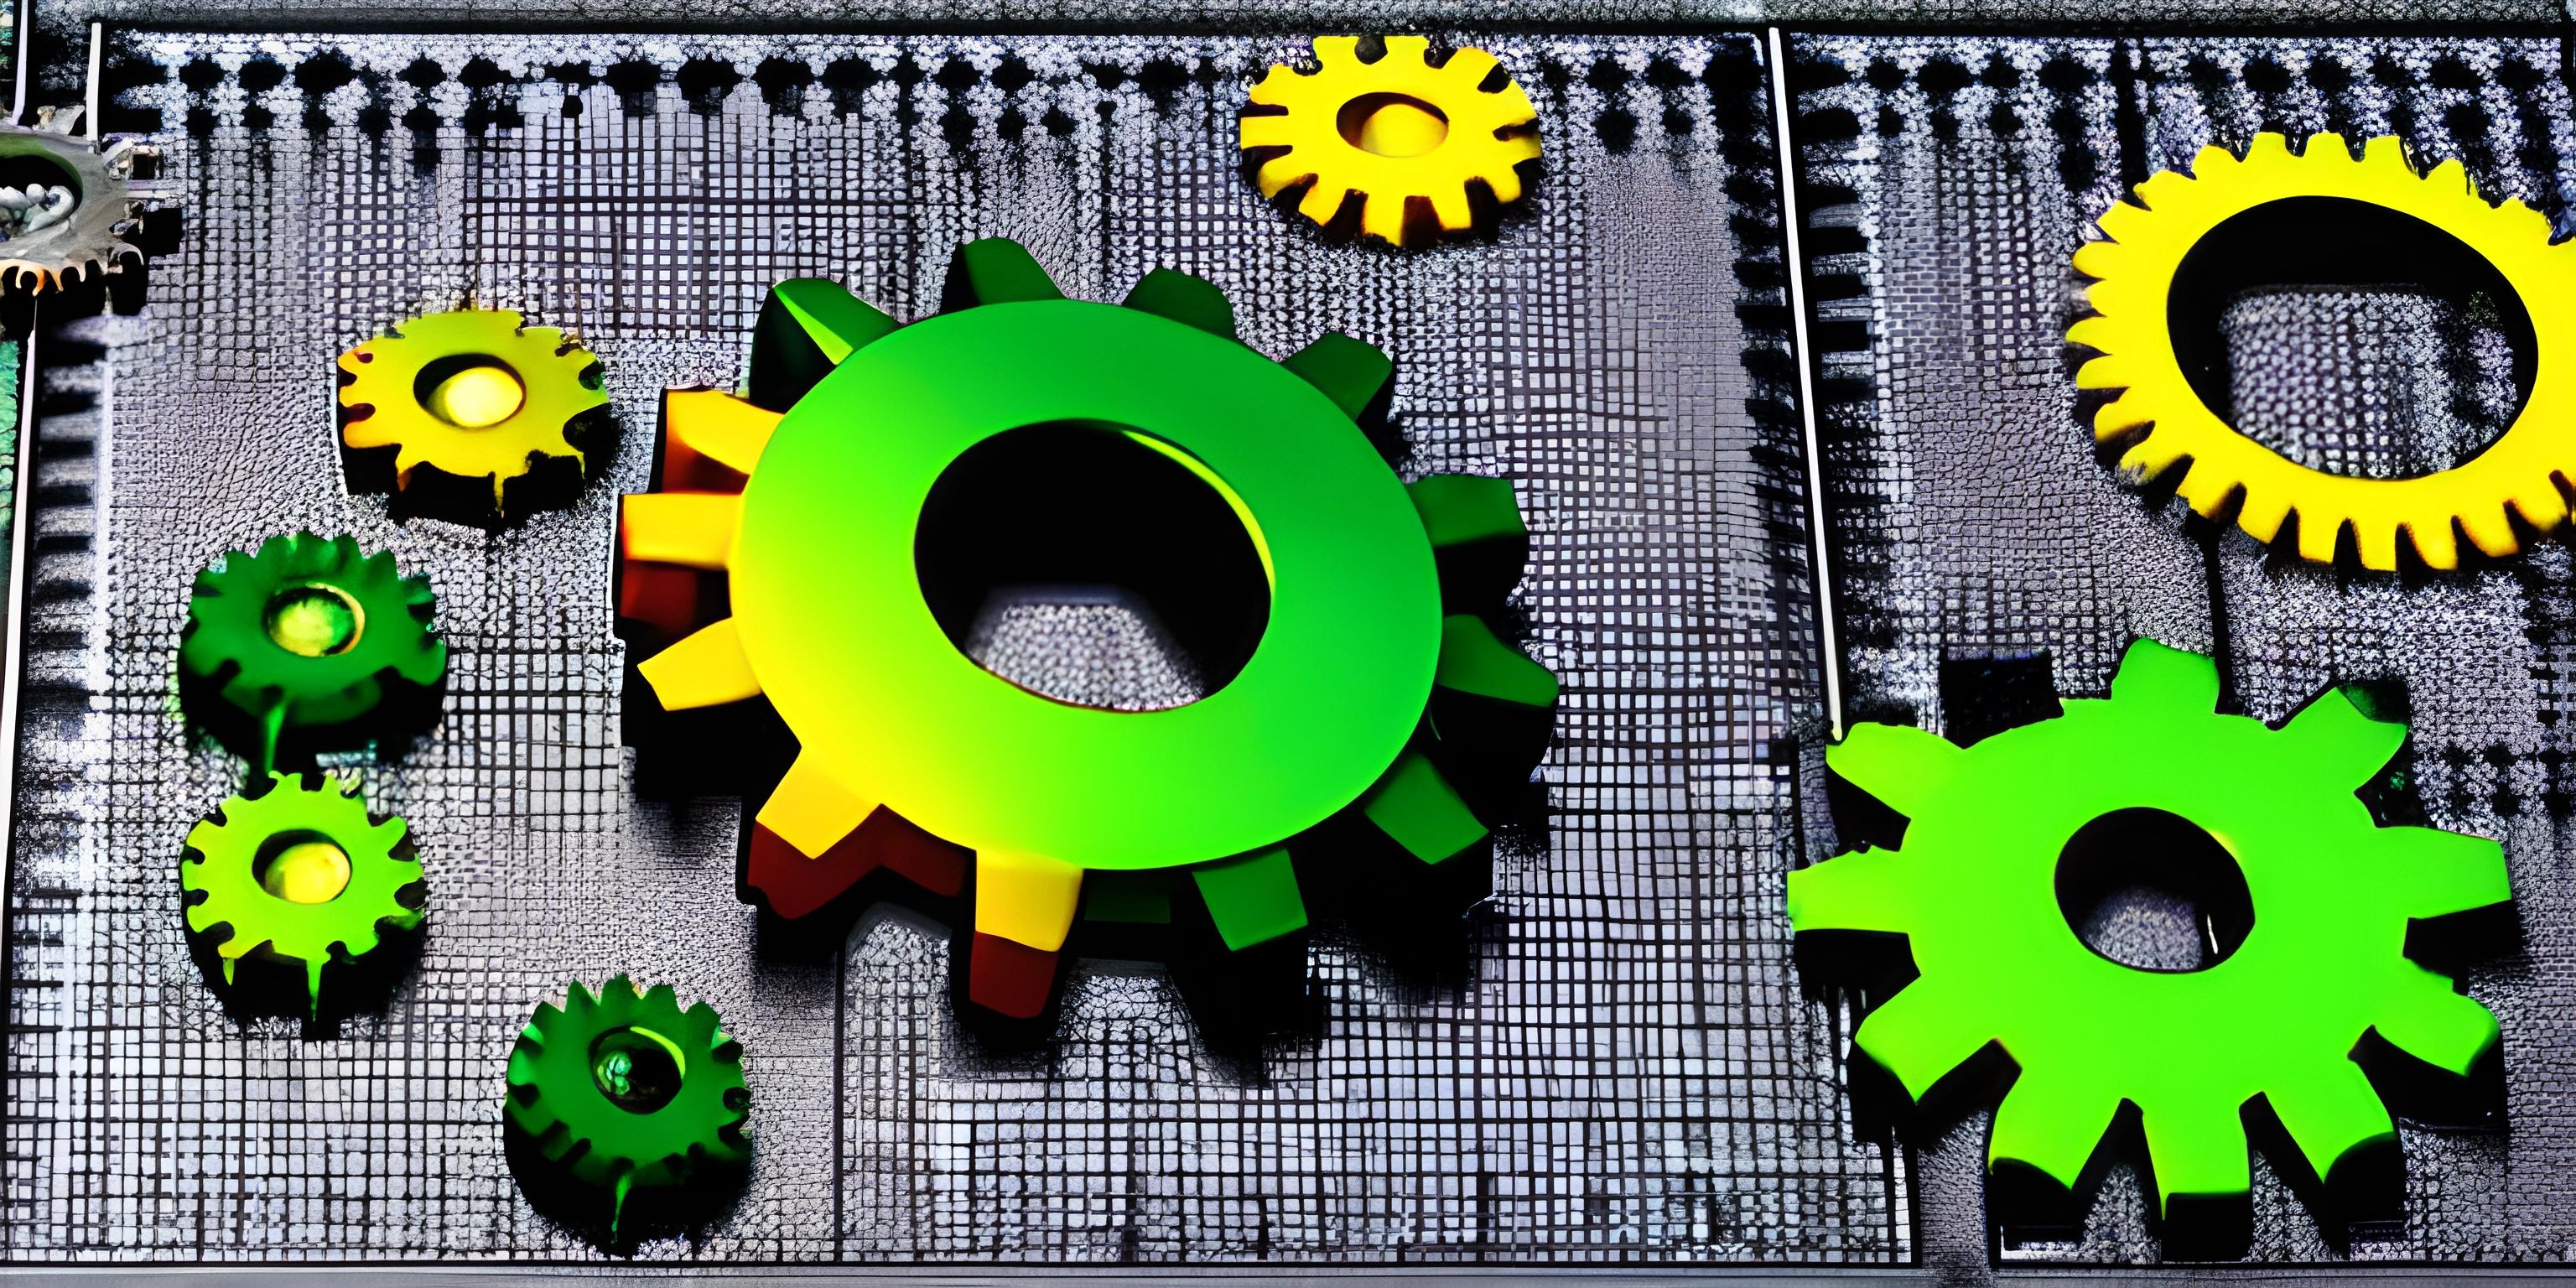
300 873
1972 887
1369 691
625 1091
311 639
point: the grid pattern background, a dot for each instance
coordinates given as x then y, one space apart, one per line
1624 1070
1973 522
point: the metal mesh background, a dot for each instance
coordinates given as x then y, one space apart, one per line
1971 519
1627 1072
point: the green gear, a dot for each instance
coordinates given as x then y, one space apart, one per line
1973 888
312 635
625 1091
230 890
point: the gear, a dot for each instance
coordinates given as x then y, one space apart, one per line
1974 888
311 640
2145 355
67 208
626 1092
1410 139
299 873
894 721
471 394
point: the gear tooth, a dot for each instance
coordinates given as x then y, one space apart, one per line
806 327
660 997
2386 150
1920 1034
1337 51
2317 535
1192 301
1276 88
1449 209
1473 660
2104 373
1407 49
2487 529
1280 173
1382 216
2163 190
2376 540
2423 1016
2451 175
1506 183
2326 145
2330 1113
1322 203
2435 543
2051 1124
1461 509
2269 147
1904 767
995 270
2124 415
707 669
2263 512
1470 66
2153 673
1265 131
2539 503
2196 1148
2432 873
1414 806
1860 890
2095 332
1348 371
2123 222
1252 898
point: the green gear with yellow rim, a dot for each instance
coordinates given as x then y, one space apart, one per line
309 640
299 873
624 1092
1973 888
804 498
473 394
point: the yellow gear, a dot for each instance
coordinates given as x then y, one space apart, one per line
1409 138
2135 268
472 394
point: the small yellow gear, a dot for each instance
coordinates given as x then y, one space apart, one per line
2148 244
472 394
1408 137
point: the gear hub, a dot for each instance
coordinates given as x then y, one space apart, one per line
312 644
1410 140
913 757
299 873
1974 888
2150 253
624 1092
471 396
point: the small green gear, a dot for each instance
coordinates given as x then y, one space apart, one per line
1973 889
299 873
311 637
625 1091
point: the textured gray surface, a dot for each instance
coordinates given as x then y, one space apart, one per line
1975 522
1626 1073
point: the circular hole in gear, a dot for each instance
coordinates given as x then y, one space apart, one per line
29 169
2360 252
2151 890
1071 512
1392 125
470 390
314 621
638 1069
301 867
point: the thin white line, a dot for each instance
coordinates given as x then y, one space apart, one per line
13 662
22 23
1820 570
97 45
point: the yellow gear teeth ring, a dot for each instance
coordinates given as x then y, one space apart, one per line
472 395
2134 303
1409 139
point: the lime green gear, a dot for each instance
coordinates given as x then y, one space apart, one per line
807 498
625 1091
470 394
299 873
1973 888
310 638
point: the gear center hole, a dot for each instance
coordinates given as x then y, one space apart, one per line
2153 891
301 867
1392 125
314 621
2352 338
638 1069
39 192
470 390
1094 565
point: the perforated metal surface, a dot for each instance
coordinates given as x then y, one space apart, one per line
1620 1068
